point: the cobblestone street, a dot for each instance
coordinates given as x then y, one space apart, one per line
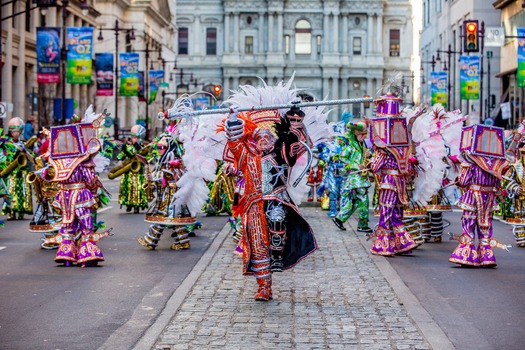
337 298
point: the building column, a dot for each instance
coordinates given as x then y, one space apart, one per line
280 29
379 36
326 37
227 31
344 88
19 79
260 33
335 32
271 36
345 34
370 29
369 88
326 88
236 32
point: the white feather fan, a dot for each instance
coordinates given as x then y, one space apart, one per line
430 151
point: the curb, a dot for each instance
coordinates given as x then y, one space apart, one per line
431 331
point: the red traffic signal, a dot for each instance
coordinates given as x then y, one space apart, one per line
217 91
471 36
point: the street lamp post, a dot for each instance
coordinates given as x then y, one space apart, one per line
147 51
448 69
131 33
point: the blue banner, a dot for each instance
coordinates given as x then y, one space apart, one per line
520 75
48 55
79 55
438 87
129 73
469 68
155 78
105 71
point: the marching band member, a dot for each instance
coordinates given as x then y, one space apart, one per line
131 193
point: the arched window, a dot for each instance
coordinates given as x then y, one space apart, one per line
303 37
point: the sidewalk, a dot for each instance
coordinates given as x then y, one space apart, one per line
338 298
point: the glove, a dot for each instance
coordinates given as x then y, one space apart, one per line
234 127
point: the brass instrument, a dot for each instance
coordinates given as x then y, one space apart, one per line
131 164
19 162
31 142
31 177
149 186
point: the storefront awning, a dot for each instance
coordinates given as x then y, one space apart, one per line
507 72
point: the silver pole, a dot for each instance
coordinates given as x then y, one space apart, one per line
173 114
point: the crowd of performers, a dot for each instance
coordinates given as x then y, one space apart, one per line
256 165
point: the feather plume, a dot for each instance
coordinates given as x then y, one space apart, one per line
315 124
430 152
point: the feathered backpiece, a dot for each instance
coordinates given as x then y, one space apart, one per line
200 166
314 122
430 153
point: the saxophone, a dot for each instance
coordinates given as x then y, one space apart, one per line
149 186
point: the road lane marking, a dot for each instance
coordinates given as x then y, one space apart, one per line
2 248
103 209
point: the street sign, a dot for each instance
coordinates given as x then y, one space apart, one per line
494 36
3 109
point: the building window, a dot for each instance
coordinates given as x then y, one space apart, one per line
318 44
248 45
211 41
303 37
394 42
356 46
286 44
183 41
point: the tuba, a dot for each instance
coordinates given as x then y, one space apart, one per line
19 162
31 142
132 164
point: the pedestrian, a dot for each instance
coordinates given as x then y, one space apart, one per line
29 129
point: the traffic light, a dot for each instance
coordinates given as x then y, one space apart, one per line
217 91
471 38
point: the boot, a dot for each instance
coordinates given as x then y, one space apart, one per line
339 224
264 293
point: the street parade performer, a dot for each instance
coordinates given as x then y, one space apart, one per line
480 176
334 173
179 180
15 173
267 146
354 193
133 156
71 157
392 162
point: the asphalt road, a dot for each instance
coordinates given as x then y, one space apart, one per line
47 306
477 308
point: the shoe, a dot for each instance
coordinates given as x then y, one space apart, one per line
143 243
179 246
364 229
310 199
137 209
339 224
128 209
264 293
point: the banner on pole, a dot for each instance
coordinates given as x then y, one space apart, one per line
438 87
104 71
142 89
48 55
469 68
520 75
155 78
79 55
129 73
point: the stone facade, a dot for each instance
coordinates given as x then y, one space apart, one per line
336 49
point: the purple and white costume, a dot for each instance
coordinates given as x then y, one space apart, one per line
478 203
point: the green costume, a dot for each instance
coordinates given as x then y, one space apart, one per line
354 193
